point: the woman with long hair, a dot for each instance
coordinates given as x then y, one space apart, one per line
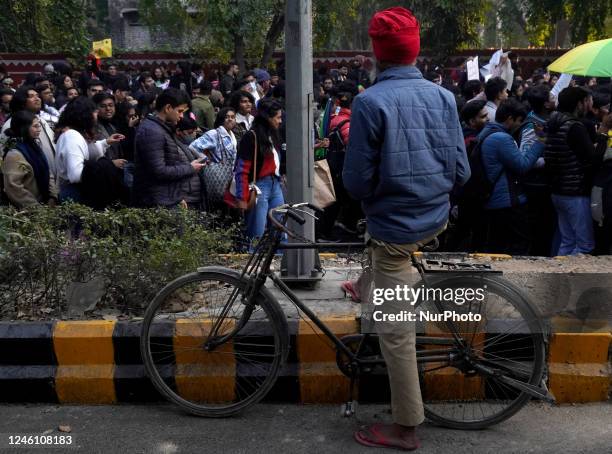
146 104
63 83
25 169
75 145
263 141
242 102
220 143
219 146
126 120
161 79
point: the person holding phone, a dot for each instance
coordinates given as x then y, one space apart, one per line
160 169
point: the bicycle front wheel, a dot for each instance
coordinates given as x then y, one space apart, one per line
508 339
219 374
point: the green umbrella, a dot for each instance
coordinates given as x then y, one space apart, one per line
592 59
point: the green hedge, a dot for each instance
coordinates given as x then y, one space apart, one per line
134 252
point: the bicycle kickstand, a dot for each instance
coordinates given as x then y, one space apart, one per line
350 407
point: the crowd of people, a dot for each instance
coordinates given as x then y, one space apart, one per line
541 161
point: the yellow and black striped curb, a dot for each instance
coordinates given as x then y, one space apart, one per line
99 362
579 368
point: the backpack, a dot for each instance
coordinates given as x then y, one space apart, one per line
336 150
336 144
478 189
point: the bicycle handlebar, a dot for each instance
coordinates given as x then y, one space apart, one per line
296 217
292 212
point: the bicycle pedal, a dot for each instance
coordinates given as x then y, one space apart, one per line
349 408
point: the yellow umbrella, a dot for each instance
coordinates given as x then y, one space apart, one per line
592 59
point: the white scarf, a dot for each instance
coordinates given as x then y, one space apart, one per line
247 120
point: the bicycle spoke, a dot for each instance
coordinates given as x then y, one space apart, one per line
505 340
247 359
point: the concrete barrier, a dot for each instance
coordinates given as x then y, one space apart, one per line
98 362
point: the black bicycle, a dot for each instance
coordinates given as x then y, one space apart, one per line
214 341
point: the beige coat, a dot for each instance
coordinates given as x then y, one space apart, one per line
19 183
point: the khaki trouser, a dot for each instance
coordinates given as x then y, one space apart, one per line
391 266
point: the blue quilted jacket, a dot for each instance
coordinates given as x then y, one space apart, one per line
501 154
405 154
161 170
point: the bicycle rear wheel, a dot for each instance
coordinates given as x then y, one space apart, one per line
509 339
236 373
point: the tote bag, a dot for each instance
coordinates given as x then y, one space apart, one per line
324 194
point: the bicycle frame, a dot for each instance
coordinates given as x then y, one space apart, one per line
257 271
422 356
260 263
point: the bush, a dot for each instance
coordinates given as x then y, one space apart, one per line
133 252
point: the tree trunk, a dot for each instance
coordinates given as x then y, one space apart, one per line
274 32
239 52
559 34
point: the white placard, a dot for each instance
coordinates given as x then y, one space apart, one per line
472 69
563 82
496 57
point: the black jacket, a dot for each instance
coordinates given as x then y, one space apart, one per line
571 155
160 169
227 84
360 77
102 184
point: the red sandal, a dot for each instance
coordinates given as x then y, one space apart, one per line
378 440
350 288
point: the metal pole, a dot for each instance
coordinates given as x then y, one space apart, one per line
299 265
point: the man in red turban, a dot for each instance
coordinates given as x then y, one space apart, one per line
405 154
395 36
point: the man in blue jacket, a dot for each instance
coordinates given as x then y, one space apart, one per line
161 170
405 154
504 163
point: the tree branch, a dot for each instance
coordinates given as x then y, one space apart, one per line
274 32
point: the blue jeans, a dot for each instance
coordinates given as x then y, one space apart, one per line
271 196
575 224
128 174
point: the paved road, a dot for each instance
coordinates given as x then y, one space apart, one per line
318 429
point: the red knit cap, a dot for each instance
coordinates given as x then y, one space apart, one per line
395 35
